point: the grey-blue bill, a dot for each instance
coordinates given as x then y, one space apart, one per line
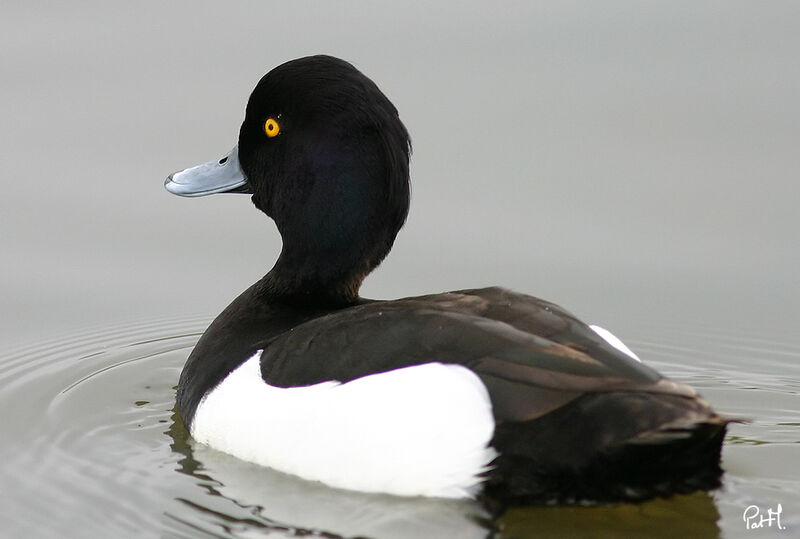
223 175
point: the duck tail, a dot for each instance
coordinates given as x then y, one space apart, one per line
610 447
672 459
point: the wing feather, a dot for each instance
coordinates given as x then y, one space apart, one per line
533 356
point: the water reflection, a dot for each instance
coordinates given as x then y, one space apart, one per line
280 502
694 515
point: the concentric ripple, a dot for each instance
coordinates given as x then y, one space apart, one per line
83 441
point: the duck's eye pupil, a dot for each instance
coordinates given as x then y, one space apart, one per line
223 160
271 127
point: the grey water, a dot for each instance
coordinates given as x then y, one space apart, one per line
636 163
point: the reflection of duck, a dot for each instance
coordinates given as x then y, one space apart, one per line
264 499
692 515
289 501
440 395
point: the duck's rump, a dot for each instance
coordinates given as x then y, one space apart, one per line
607 447
575 417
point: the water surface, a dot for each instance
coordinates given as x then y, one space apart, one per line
93 444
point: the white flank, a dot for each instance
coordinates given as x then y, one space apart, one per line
612 339
416 431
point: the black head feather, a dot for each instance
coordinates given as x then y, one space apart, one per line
335 180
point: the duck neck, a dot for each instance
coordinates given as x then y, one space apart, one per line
304 280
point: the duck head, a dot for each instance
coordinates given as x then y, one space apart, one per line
325 155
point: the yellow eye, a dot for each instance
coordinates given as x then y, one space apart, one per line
272 127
